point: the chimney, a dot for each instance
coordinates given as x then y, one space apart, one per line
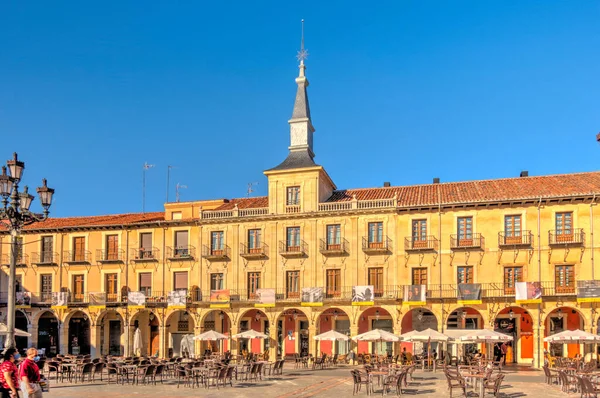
436 180
524 173
387 184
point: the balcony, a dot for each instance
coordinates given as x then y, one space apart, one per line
292 209
44 259
77 298
296 249
254 253
415 243
524 239
216 254
473 241
143 255
377 246
573 237
333 249
22 260
105 256
181 253
287 295
75 257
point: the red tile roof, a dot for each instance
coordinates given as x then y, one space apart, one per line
97 221
245 203
520 188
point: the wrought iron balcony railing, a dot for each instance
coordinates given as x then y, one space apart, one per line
571 237
255 252
77 257
297 248
520 238
472 241
44 258
218 253
181 253
336 248
110 256
376 246
144 254
423 243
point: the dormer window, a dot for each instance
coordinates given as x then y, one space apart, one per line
293 196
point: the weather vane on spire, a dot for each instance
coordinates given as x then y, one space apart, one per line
302 54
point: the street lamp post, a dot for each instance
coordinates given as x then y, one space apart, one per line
15 214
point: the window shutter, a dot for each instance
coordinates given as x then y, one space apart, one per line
145 280
181 280
181 239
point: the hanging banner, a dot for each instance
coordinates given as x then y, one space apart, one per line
469 293
363 295
59 300
220 298
415 294
23 300
177 299
528 292
97 301
312 297
588 291
136 300
265 298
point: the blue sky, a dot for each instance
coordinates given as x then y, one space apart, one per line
401 91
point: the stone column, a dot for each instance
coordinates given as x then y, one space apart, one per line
353 344
312 343
95 350
397 332
273 341
162 338
233 344
538 346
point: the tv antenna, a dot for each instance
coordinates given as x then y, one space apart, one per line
144 169
169 167
250 188
177 188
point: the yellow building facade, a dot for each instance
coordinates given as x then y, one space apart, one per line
309 258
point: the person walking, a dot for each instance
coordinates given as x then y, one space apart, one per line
29 373
9 379
503 351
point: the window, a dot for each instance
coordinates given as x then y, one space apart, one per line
19 283
511 276
216 243
78 288
419 276
47 255
464 274
292 286
79 249
146 245
111 287
334 279
375 235
293 196
419 233
293 239
112 247
176 215
46 287
512 226
145 283
564 225
465 231
181 244
253 284
376 279
254 241
565 278
180 280
334 237
216 281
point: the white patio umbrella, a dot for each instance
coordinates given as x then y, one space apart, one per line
573 337
18 332
331 335
250 334
376 335
210 335
483 336
423 335
137 342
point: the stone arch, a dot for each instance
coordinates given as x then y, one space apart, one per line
376 317
77 332
517 322
108 339
334 318
46 326
220 321
293 332
253 319
419 318
149 322
180 326
561 318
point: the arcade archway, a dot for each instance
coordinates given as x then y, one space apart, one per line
48 333
375 318
180 328
561 319
218 321
292 333
149 325
334 319
418 319
78 337
258 321
516 322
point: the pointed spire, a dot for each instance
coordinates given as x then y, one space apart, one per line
301 105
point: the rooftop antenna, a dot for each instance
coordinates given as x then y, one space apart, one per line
169 167
177 188
145 168
250 189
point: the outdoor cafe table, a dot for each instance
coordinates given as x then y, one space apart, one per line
71 368
481 378
379 374
128 370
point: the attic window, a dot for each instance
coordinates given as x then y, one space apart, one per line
176 215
